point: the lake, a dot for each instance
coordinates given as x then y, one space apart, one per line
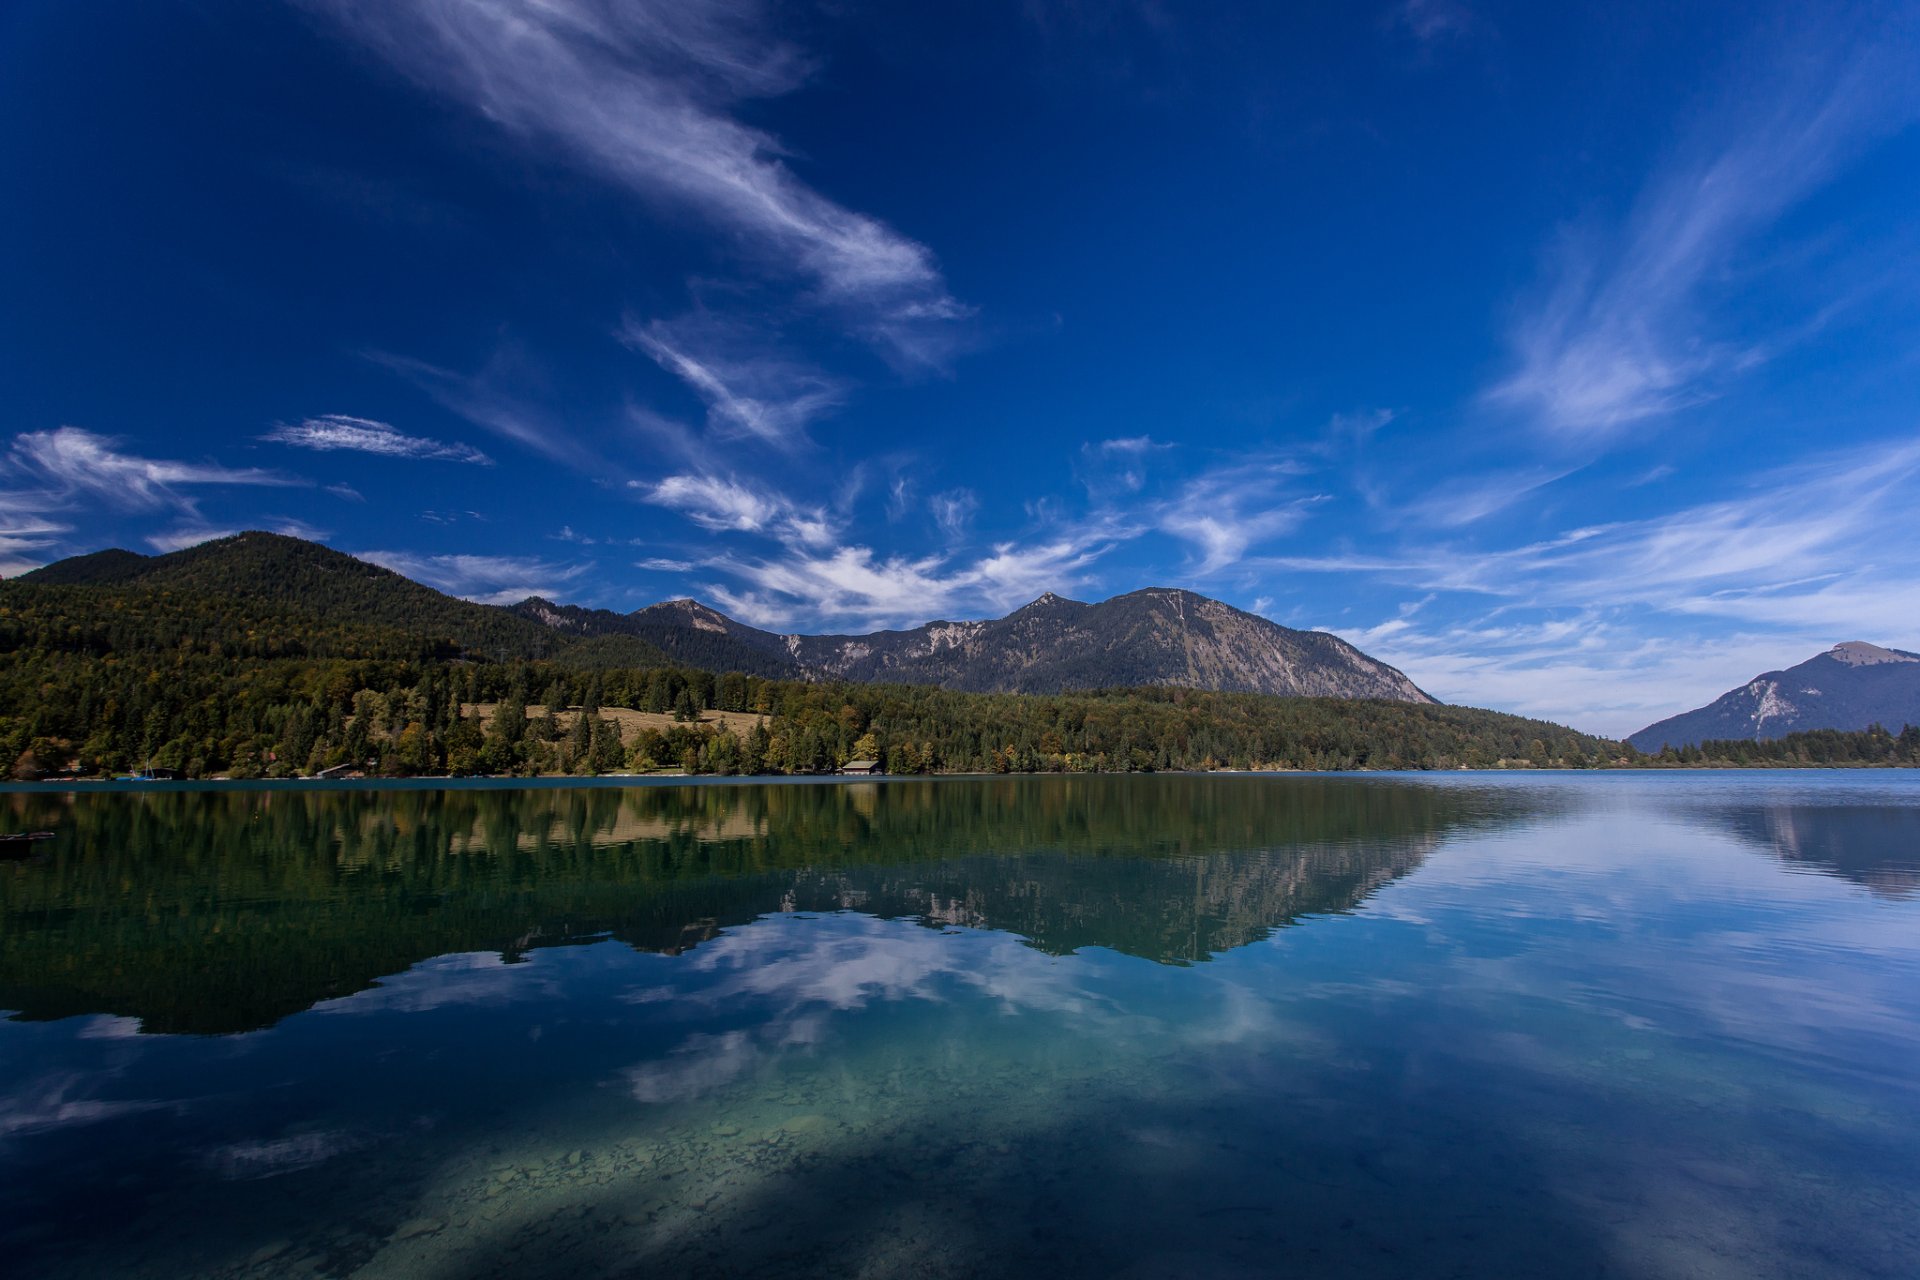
1623 1025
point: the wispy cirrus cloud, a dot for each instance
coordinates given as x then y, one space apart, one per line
817 575
953 511
1620 334
338 431
485 579
854 584
642 94
1613 626
1456 501
69 465
749 390
728 505
1790 531
1599 671
487 399
1224 512
1111 468
25 544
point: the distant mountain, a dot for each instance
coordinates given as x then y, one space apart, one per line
1157 636
1850 686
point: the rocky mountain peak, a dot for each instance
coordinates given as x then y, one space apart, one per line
1858 653
1047 601
689 611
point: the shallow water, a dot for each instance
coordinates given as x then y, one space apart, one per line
1600 1025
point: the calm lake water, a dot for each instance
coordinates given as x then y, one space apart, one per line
1612 1025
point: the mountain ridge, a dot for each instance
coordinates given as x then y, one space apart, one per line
1152 636
1159 636
1851 686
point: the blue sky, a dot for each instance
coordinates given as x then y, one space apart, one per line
1568 359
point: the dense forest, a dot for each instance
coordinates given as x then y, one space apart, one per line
1808 748
202 714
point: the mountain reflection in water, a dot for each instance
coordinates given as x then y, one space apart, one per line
1877 846
1540 1025
225 911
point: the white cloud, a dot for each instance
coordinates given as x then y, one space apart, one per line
640 93
856 584
1453 501
486 579
1226 511
1109 468
24 543
1134 445
72 465
899 499
748 392
1596 670
1793 533
483 399
337 431
1618 336
733 506
953 511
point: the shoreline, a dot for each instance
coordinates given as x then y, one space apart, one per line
430 782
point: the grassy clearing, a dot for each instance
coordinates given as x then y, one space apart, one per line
631 722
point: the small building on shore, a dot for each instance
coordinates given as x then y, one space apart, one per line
862 768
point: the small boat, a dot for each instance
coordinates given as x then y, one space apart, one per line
19 845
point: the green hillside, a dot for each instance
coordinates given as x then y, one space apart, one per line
311 600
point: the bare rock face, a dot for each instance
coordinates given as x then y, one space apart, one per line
1850 686
1157 636
1858 653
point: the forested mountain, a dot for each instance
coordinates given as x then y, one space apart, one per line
1157 636
260 655
1850 687
319 601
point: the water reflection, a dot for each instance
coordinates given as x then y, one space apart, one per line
1876 846
211 912
962 1030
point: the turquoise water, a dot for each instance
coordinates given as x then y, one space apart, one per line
1606 1025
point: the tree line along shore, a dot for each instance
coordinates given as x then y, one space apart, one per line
196 714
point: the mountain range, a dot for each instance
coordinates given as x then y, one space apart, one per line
1850 686
1157 636
267 594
